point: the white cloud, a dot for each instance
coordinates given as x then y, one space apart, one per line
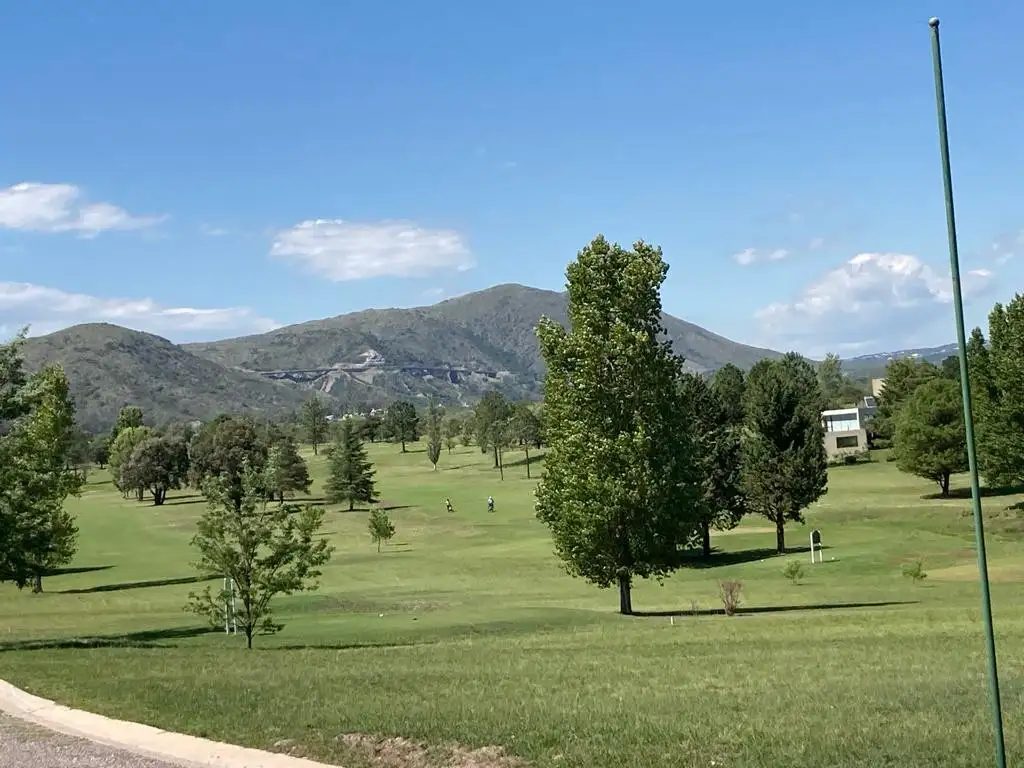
47 309
1006 246
212 231
874 299
750 255
343 250
34 206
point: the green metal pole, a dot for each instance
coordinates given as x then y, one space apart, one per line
965 386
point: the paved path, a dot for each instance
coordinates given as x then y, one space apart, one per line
25 745
109 742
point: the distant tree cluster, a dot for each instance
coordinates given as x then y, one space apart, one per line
644 458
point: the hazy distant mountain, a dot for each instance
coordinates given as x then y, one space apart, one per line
453 351
109 367
874 365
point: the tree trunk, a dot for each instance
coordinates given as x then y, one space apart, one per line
140 493
316 447
248 638
780 535
351 504
496 457
378 546
403 447
625 595
527 462
501 466
944 484
159 494
37 583
705 536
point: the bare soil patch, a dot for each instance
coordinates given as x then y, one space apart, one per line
404 753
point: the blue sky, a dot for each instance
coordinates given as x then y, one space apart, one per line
203 170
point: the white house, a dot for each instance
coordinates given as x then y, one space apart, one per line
845 430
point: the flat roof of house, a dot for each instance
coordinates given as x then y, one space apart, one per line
841 411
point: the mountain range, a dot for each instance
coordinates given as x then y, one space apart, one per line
452 351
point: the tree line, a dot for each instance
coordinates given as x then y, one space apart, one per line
920 411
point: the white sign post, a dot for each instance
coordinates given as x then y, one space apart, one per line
816 543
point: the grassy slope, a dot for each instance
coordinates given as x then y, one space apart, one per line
109 367
466 630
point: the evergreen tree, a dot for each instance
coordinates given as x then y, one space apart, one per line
902 377
314 420
121 450
930 440
728 385
997 384
351 473
620 489
718 446
784 462
286 473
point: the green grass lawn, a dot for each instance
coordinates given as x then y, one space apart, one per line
465 631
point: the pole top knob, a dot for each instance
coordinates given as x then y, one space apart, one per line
933 22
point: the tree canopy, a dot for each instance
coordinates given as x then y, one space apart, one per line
620 491
930 441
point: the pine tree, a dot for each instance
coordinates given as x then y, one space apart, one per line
997 379
784 462
314 422
620 489
351 473
930 440
286 473
719 448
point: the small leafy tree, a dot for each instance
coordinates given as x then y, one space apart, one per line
315 425
433 434
129 417
222 447
351 473
381 527
156 465
452 430
490 420
525 429
914 571
401 423
793 570
121 450
286 473
730 590
784 462
267 549
930 438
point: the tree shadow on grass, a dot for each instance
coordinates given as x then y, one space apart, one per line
719 558
775 608
965 493
137 585
181 501
534 458
80 569
150 638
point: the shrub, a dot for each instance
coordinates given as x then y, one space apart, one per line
914 571
729 591
794 571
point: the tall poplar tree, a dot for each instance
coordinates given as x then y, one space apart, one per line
620 490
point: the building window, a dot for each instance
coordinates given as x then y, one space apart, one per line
847 441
